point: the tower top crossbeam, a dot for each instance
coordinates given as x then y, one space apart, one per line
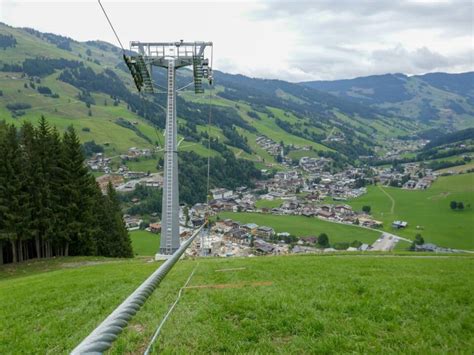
159 53
146 55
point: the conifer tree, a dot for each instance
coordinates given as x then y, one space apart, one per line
13 214
78 192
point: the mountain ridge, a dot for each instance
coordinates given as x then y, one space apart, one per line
99 98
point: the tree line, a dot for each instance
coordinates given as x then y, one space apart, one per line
50 205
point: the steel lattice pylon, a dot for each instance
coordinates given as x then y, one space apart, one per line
171 56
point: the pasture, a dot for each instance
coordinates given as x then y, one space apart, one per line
428 209
306 226
287 304
144 243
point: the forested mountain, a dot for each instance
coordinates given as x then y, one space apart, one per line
438 99
86 84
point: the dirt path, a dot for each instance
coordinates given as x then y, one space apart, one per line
392 209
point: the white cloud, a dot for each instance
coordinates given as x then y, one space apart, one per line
291 40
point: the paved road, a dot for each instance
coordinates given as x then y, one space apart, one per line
394 238
386 242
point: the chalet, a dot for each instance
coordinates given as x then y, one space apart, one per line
199 209
237 235
369 222
221 193
132 223
309 240
197 221
298 249
265 232
314 196
135 174
325 214
155 227
250 228
344 210
290 205
410 184
399 224
223 205
426 247
308 212
224 226
364 247
263 247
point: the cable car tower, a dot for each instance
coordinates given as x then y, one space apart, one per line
171 56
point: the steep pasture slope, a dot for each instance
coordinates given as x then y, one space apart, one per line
288 304
306 226
428 209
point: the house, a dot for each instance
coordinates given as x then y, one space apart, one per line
155 227
224 226
221 193
399 224
344 210
132 223
250 228
309 240
426 247
237 235
265 232
364 247
263 247
369 222
325 214
298 249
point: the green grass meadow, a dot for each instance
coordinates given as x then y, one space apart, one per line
288 304
305 226
144 243
429 209
269 204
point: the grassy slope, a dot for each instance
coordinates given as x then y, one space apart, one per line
67 110
428 209
145 243
269 204
313 304
304 226
458 168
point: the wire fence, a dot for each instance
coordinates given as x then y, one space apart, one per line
106 333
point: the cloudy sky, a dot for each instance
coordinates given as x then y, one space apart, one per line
290 40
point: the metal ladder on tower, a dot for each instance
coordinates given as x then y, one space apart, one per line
198 74
146 78
169 159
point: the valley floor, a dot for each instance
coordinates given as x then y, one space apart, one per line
339 303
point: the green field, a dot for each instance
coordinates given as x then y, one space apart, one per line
269 204
304 226
428 209
145 243
288 304
144 164
457 168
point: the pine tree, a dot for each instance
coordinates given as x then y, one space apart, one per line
45 161
115 242
13 214
78 190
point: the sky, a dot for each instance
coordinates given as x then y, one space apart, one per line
288 40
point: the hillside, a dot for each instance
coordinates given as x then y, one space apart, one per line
437 99
289 304
87 85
